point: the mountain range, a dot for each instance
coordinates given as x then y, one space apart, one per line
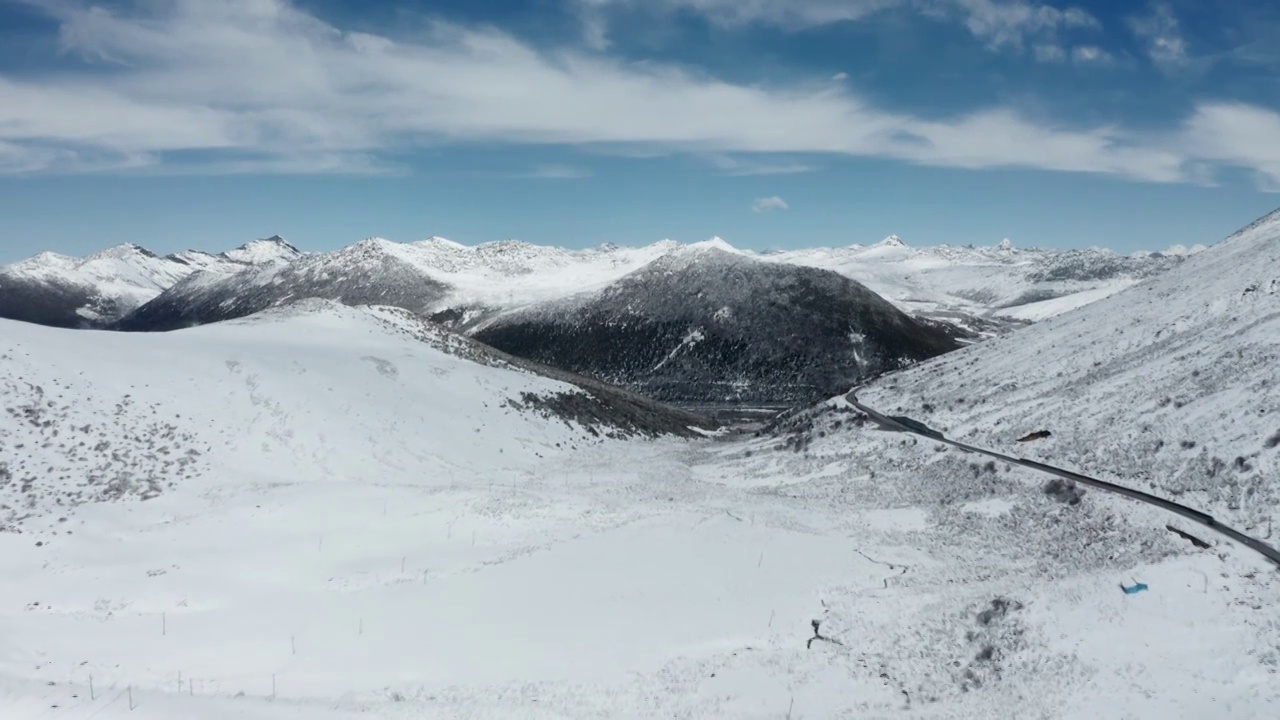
704 322
98 290
1001 281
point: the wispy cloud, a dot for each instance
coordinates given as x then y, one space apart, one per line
769 204
1161 32
997 23
1083 55
1090 55
793 14
1049 53
754 165
1010 23
202 84
555 171
1238 135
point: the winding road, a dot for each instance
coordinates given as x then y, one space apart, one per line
914 427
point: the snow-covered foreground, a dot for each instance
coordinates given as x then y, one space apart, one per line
365 525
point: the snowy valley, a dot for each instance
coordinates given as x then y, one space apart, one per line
333 508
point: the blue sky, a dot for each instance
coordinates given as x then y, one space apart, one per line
189 123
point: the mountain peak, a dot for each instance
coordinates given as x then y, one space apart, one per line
265 250
893 241
665 245
714 243
45 258
437 241
369 245
508 246
123 251
1005 245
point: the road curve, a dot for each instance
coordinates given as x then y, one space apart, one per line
913 427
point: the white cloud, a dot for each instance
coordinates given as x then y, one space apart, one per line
1002 23
595 26
997 23
262 86
556 172
1090 55
743 166
769 204
1162 33
308 163
792 14
999 138
1237 135
1047 53
840 77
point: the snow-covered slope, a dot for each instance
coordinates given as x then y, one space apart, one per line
1170 385
250 440
52 289
709 324
272 389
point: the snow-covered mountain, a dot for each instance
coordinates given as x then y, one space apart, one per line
93 291
961 284
371 272
977 288
709 324
434 276
980 289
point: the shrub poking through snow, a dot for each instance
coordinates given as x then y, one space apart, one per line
1063 491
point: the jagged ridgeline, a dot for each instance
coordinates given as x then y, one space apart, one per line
363 274
98 290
